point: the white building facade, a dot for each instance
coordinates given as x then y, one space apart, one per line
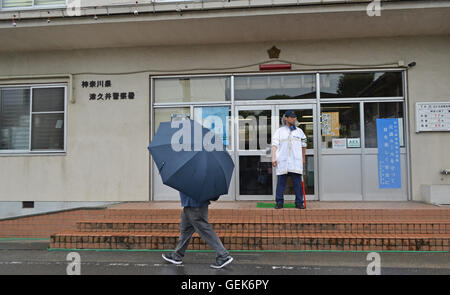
85 84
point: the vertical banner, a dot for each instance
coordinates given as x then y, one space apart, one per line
389 169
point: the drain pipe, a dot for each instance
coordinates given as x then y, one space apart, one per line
70 89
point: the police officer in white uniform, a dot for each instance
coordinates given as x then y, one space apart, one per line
289 156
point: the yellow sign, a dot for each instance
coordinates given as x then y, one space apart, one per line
330 124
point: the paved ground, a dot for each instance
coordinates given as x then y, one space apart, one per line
310 205
31 257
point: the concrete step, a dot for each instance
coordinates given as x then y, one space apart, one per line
267 229
164 240
435 214
252 225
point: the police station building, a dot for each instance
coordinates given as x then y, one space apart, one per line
84 86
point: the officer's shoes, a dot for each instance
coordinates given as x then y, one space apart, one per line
279 206
299 206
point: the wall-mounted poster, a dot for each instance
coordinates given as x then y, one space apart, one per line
389 169
330 124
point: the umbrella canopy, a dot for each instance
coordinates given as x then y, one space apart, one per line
187 165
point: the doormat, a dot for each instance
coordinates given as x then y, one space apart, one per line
272 205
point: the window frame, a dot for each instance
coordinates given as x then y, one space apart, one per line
327 150
323 73
227 78
404 131
268 76
40 151
32 7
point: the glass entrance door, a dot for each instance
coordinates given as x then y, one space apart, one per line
255 125
306 120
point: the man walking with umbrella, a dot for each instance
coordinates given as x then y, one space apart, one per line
289 157
200 173
195 219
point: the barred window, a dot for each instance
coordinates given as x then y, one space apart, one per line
32 119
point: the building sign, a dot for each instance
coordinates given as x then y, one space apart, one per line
389 169
432 116
330 124
100 90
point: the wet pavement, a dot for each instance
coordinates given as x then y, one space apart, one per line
31 257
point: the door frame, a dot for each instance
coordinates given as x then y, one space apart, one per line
239 152
275 124
309 151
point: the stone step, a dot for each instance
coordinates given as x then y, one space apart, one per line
435 214
267 229
164 240
253 225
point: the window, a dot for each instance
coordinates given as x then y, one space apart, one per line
32 119
254 127
255 176
371 84
378 110
216 118
167 114
340 126
14 119
31 3
192 89
274 87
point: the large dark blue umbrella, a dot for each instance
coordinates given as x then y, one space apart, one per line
185 165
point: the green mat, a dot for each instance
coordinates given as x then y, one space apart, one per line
272 205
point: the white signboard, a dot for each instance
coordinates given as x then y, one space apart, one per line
432 116
339 143
353 143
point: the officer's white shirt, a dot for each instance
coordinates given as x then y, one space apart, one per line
289 154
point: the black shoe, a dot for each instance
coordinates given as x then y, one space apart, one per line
299 206
279 206
222 262
170 258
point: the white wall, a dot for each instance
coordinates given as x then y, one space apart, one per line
107 159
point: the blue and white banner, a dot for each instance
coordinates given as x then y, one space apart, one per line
389 169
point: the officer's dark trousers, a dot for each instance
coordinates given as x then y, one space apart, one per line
281 185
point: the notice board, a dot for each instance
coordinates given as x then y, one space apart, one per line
432 116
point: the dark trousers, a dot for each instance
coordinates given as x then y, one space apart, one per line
195 219
281 185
